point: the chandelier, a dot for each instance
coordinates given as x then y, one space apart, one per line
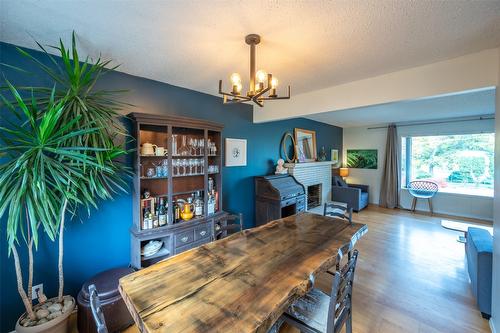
260 82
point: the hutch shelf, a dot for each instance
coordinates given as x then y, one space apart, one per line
178 164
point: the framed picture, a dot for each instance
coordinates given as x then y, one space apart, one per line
335 156
236 152
362 158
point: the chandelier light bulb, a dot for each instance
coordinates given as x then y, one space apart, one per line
235 79
238 87
274 83
261 76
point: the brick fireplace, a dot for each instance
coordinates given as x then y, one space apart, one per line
316 178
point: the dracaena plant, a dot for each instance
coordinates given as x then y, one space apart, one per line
83 162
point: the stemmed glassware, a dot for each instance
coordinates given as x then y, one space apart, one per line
175 167
184 164
191 165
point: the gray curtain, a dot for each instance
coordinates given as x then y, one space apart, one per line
389 191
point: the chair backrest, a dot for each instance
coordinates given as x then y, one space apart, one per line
233 223
338 181
340 211
423 188
96 308
340 307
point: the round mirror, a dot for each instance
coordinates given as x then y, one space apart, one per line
285 146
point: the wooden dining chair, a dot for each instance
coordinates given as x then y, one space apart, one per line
336 210
318 312
231 223
98 314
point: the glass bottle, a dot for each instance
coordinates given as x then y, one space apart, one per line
162 213
211 204
146 222
198 205
177 211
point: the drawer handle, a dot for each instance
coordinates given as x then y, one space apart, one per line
185 239
203 233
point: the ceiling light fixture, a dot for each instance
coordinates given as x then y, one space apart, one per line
260 82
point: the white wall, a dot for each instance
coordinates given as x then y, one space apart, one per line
495 299
361 138
443 203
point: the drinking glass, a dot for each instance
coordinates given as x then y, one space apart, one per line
150 172
195 146
174 145
175 167
191 164
191 145
195 166
201 144
184 164
199 166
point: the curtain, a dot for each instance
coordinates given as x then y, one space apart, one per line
389 191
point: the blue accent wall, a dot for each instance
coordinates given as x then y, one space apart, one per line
101 241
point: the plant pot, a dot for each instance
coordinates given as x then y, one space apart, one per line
56 325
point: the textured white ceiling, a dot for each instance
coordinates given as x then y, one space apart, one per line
466 104
308 44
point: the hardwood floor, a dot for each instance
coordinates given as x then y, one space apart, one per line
411 277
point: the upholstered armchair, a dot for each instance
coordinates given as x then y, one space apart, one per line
354 195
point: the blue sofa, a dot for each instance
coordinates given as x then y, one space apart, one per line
354 195
479 250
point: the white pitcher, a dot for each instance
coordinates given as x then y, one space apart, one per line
148 148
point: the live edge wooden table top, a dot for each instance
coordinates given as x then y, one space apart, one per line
242 283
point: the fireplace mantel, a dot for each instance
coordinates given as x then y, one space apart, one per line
308 164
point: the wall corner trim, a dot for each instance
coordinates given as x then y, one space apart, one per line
492 326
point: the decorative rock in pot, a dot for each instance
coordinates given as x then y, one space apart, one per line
51 316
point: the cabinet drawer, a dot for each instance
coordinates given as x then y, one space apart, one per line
202 232
301 201
300 209
288 202
192 245
184 238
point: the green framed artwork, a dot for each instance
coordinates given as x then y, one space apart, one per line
362 158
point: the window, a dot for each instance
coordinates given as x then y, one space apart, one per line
457 163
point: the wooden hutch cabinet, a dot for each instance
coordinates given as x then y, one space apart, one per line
178 161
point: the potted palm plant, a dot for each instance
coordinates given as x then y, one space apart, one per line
63 153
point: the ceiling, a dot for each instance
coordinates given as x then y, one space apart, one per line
308 44
467 104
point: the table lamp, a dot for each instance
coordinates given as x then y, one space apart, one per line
344 173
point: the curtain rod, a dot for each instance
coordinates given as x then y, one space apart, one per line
436 122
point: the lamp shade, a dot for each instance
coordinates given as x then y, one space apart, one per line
344 172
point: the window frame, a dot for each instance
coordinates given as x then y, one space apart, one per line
407 141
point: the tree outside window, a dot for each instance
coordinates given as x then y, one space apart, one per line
458 163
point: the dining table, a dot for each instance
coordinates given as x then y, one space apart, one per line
241 283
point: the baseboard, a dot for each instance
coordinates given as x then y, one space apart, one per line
492 326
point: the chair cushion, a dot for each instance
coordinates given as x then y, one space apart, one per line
312 309
481 239
364 200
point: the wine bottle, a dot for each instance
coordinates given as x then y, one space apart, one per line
162 213
146 222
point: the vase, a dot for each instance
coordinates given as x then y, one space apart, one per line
56 325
